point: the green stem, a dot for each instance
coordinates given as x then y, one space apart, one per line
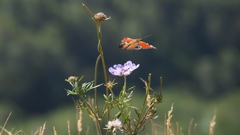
98 27
95 83
103 61
125 84
104 71
160 88
122 93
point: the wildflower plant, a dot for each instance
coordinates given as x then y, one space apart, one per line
124 120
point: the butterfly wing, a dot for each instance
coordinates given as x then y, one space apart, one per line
135 44
145 45
130 44
126 39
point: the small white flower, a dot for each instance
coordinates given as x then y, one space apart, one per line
114 125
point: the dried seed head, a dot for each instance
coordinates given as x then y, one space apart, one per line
101 17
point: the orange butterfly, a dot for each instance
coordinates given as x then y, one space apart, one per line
134 44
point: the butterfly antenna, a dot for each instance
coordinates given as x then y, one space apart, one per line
146 36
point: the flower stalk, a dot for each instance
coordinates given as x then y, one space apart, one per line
98 18
122 121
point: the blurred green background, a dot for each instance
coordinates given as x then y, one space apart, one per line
198 49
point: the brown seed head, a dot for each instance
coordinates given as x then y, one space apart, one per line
101 17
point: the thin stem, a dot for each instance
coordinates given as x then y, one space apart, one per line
5 122
125 84
113 96
149 80
97 61
95 83
103 60
96 23
160 88
104 71
143 119
98 27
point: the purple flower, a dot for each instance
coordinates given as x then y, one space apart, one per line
123 70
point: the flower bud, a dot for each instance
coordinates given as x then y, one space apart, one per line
71 79
110 84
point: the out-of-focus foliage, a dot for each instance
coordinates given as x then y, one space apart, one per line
43 42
